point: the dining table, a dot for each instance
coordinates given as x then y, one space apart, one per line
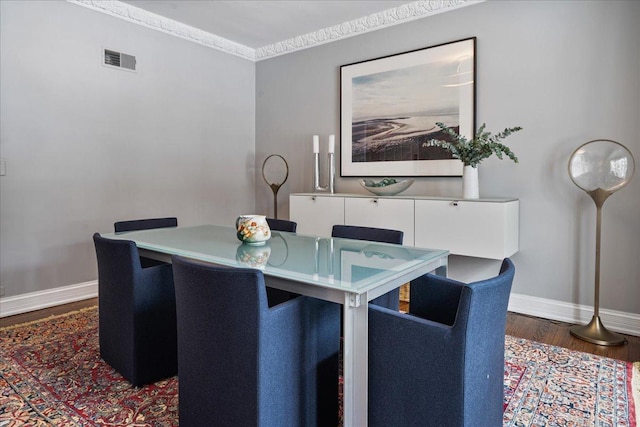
345 271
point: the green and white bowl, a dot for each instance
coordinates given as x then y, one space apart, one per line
386 186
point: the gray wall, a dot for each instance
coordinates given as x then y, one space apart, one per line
87 145
567 72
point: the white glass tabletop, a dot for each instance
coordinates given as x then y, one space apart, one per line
341 264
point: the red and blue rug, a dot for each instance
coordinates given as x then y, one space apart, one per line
546 385
51 374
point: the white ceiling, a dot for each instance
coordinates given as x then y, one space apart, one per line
260 23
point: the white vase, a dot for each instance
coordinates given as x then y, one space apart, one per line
470 188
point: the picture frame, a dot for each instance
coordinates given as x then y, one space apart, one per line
389 107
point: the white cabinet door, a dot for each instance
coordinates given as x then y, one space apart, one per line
316 215
395 214
479 229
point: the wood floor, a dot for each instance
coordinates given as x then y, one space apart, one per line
47 312
518 325
557 333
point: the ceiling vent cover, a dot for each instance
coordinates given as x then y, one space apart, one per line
119 60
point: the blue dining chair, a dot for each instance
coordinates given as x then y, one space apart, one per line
282 225
137 313
245 363
443 363
278 295
372 234
392 298
145 224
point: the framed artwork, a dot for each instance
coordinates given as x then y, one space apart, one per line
389 108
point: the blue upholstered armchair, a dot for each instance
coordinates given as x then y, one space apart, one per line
383 235
137 313
443 364
243 363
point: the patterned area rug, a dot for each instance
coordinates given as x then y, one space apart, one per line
546 385
51 374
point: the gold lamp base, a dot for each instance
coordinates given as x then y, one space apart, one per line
595 332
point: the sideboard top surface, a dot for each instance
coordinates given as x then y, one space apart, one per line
373 196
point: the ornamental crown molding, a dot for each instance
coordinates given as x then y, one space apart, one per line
376 21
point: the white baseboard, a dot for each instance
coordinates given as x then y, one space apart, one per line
42 299
619 321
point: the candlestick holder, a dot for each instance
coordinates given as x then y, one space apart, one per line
330 187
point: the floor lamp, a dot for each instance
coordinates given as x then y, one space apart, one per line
600 167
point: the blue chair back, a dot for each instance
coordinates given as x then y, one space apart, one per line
383 235
145 224
372 234
282 225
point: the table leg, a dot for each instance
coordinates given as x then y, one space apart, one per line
441 271
355 360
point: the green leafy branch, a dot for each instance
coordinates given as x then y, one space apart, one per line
482 146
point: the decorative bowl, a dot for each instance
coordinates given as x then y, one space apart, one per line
386 186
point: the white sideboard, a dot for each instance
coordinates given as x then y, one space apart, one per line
484 228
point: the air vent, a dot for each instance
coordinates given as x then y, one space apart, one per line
119 60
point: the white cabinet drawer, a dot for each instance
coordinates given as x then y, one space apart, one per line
470 228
